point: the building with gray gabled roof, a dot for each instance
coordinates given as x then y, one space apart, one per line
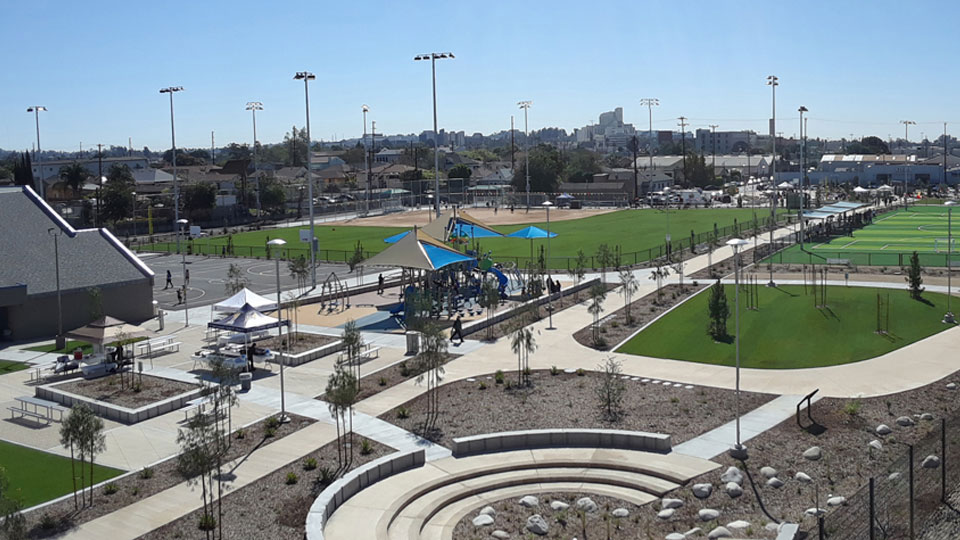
89 259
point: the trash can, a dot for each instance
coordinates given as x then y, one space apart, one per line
246 380
413 342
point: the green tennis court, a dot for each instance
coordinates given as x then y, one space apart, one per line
889 241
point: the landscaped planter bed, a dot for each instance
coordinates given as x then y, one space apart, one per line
373 384
157 396
306 347
133 487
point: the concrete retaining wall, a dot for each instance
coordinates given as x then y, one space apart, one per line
353 482
291 360
50 392
561 438
501 316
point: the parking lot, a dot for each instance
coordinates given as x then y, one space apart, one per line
208 276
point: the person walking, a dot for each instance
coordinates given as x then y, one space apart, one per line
380 281
457 330
186 277
179 297
169 281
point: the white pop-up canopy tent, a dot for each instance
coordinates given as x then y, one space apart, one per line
245 297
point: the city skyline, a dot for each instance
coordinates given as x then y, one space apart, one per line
570 61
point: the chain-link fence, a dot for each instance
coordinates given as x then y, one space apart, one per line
893 504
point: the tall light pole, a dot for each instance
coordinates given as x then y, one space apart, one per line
279 242
803 192
366 158
36 113
547 205
683 145
948 318
181 224
433 57
55 233
173 144
306 77
713 136
525 105
773 83
253 107
650 103
906 139
739 451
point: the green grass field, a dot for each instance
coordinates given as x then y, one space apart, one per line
68 348
7 366
888 241
37 476
635 231
789 332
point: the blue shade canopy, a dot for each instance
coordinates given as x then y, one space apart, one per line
473 231
393 239
532 233
418 250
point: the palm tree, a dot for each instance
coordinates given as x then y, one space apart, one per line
74 176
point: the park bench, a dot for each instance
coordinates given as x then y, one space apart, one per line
366 354
196 406
154 346
42 409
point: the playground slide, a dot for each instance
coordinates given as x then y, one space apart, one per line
501 278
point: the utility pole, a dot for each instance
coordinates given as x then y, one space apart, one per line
99 180
253 107
803 191
650 103
525 105
906 139
636 187
367 157
713 136
213 149
772 82
945 158
683 146
513 147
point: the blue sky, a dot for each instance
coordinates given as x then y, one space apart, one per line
859 68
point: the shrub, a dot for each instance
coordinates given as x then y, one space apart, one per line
382 381
207 523
365 448
498 376
146 473
615 324
554 370
403 413
404 370
48 522
326 476
581 372
483 385
527 371
852 407
241 433
292 478
273 422
110 489
269 432
309 464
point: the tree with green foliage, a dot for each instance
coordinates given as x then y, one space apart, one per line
12 523
605 258
698 173
429 363
92 439
341 395
628 286
295 141
118 193
868 145
236 280
580 166
74 176
23 171
598 293
353 345
356 258
198 198
545 169
70 438
658 274
718 311
300 270
610 390
273 198
578 270
197 460
915 277
522 343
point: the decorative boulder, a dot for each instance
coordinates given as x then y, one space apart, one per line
702 491
926 416
732 474
814 453
558 506
733 490
708 514
587 505
775 483
720 532
875 445
670 503
883 429
738 524
802 477
893 476
483 520
620 513
815 512
692 532
768 472
500 535
537 525
836 501
905 421
529 501
488 511
666 514
951 386
676 536
930 462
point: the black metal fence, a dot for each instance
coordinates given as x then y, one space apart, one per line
894 503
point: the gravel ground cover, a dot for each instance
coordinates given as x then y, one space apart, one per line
60 517
109 389
568 400
302 342
504 328
614 327
511 517
373 384
273 507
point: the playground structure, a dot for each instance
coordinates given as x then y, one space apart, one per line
333 294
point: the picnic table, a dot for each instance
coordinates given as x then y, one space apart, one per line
32 407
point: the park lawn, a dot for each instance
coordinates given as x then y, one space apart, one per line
638 233
789 332
37 476
7 366
68 348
